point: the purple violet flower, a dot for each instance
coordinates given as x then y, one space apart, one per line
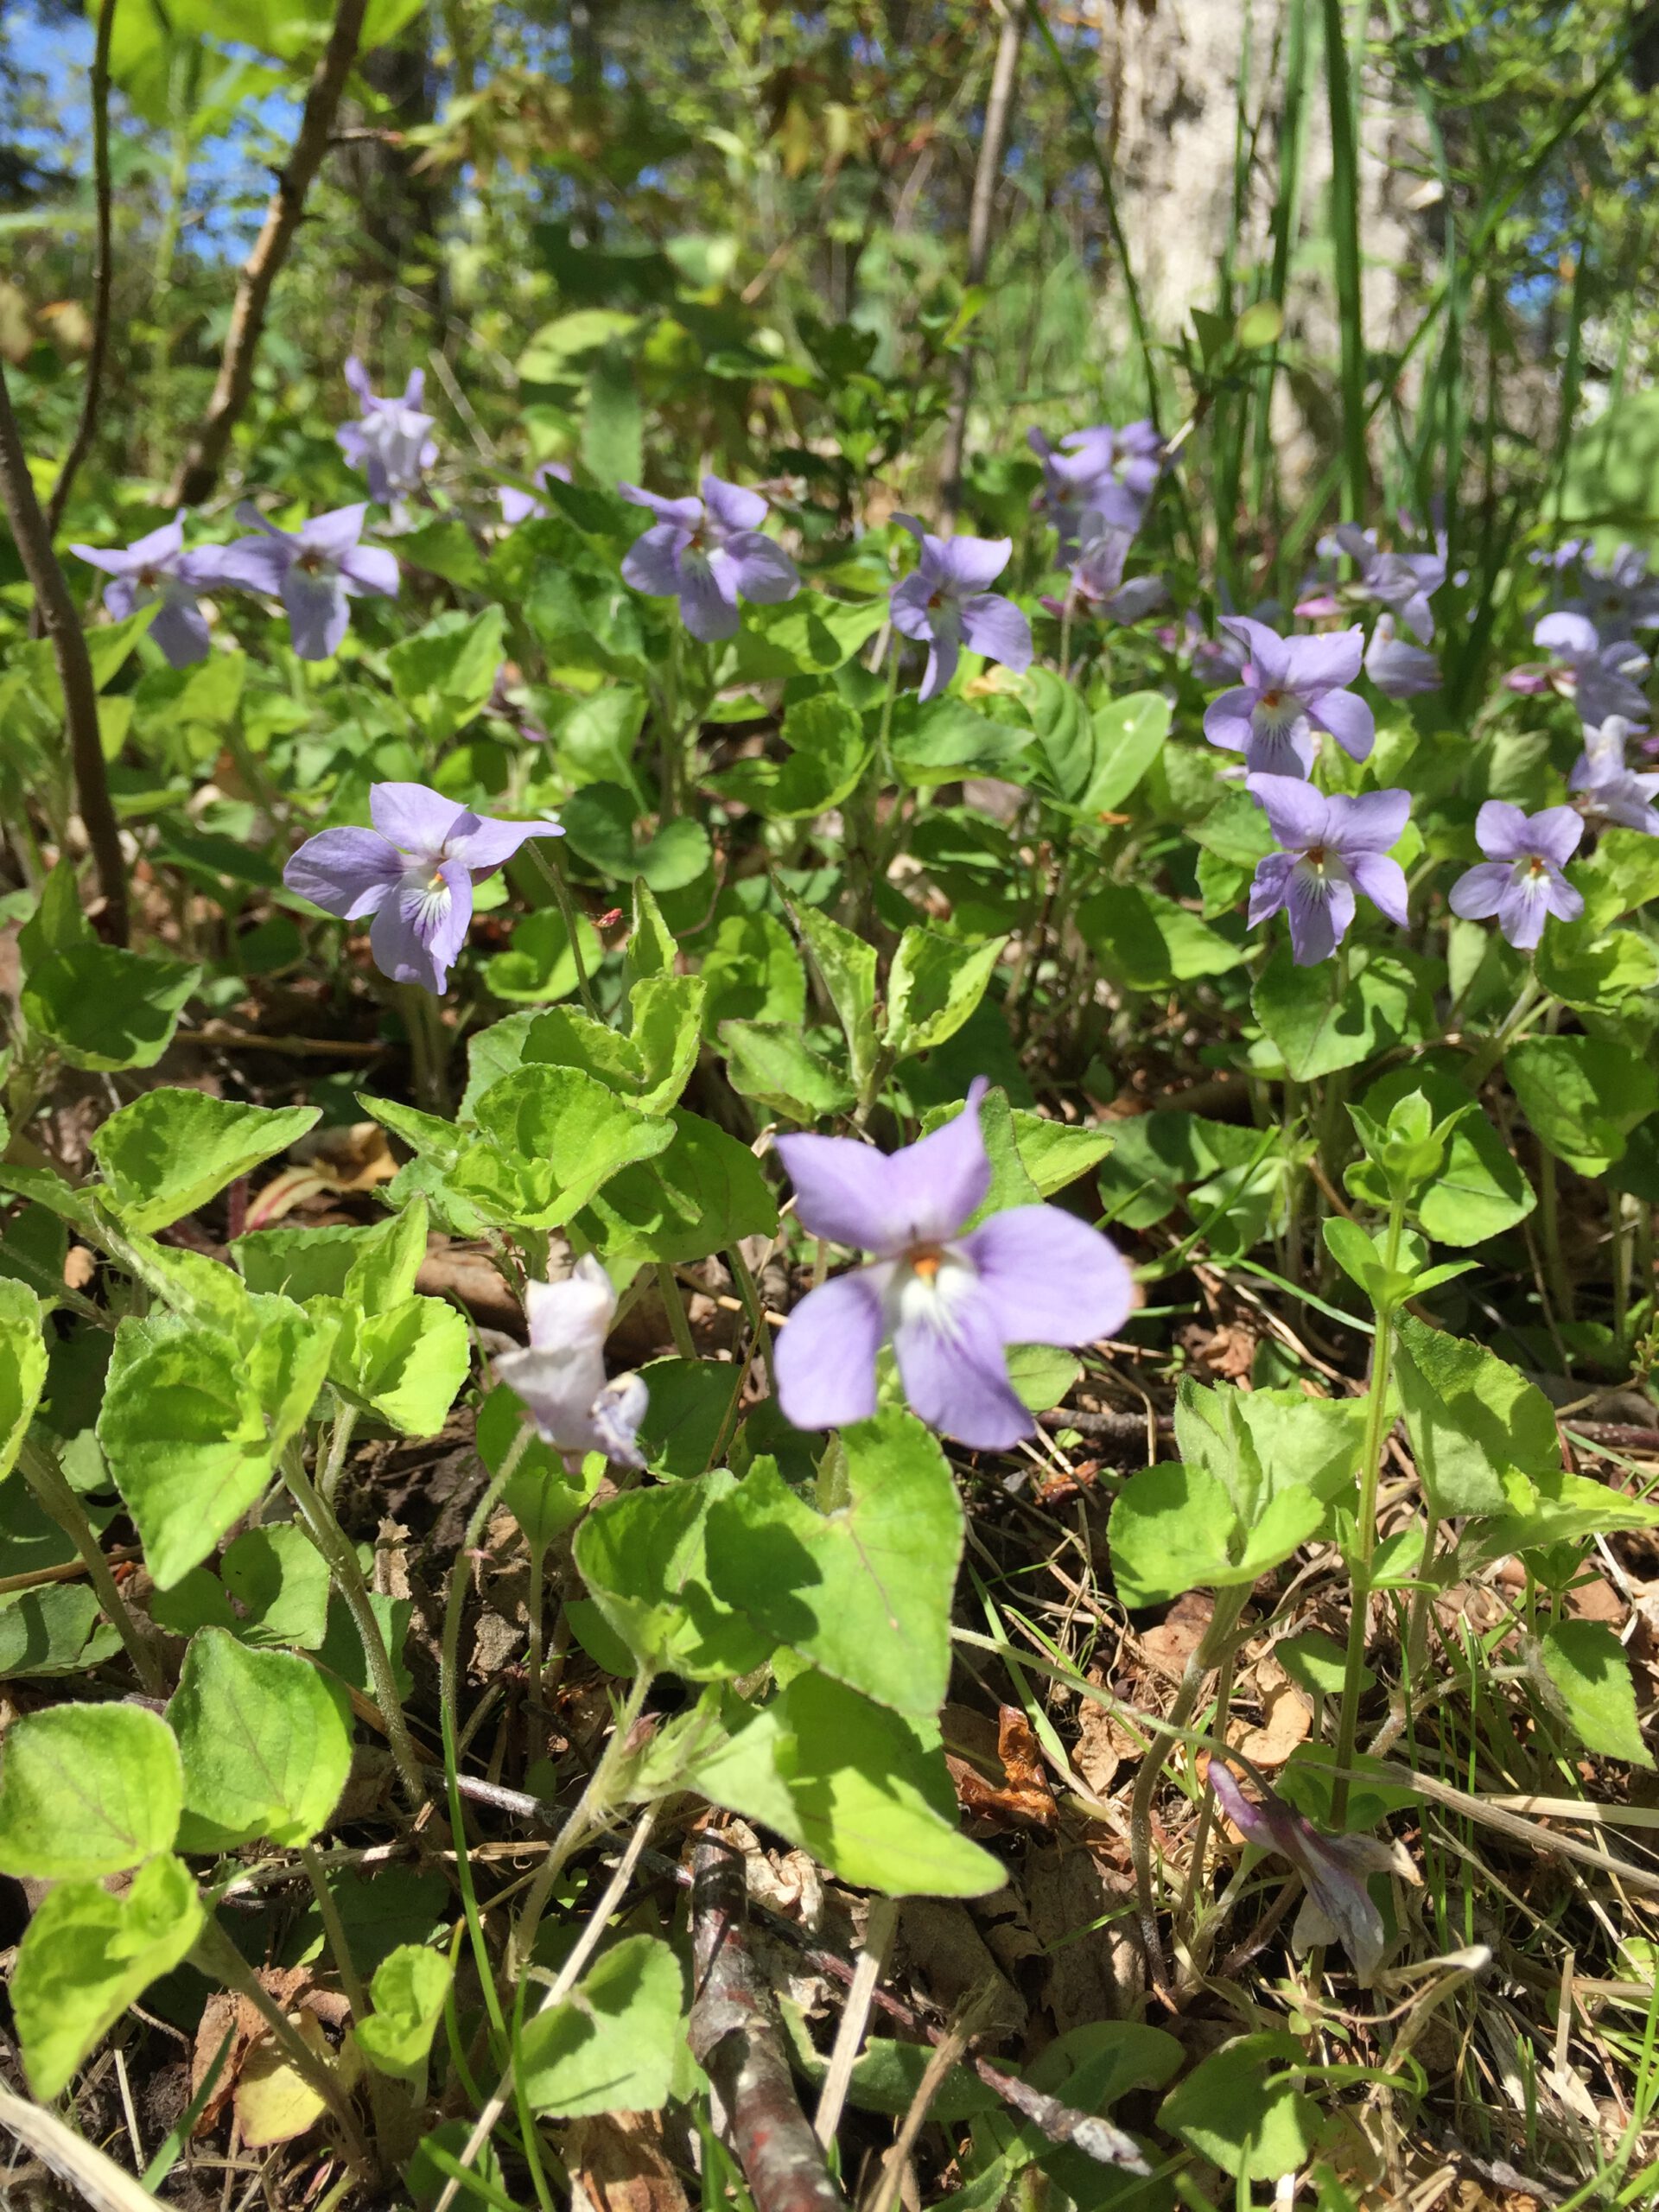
1329 849
1597 677
1403 582
157 567
943 600
705 553
1521 880
1337 1907
950 1297
413 872
1618 599
391 444
1102 470
1399 671
560 1375
518 507
1610 791
1292 687
1097 574
316 571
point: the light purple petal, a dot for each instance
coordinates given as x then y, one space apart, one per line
492 843
415 819
1287 749
937 1183
345 872
258 564
122 595
160 548
419 931
1478 892
1132 602
616 1415
1227 720
994 626
764 572
1348 719
1267 649
955 1375
114 560
684 514
707 596
1555 833
318 612
841 1192
1049 1278
1503 831
1269 884
1298 815
336 533
734 505
1324 662
181 630
969 564
358 377
1320 905
1522 911
1565 903
1371 823
652 563
1383 882
1565 633
826 1354
943 655
907 606
372 569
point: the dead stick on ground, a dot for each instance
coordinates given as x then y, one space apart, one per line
198 471
103 275
737 2038
57 608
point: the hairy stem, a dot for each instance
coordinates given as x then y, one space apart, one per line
46 1478
92 396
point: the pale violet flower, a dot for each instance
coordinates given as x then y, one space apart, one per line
943 602
414 872
950 1297
393 444
1618 599
1403 582
1100 470
316 571
1331 849
707 553
1292 687
157 567
1399 671
1600 678
518 506
560 1375
1521 880
1608 790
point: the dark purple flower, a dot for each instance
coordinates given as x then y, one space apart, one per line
1521 880
1611 791
1329 849
1597 677
157 567
560 1375
1292 687
705 553
314 570
950 1297
1399 671
391 444
1337 1907
518 507
413 872
1404 582
943 600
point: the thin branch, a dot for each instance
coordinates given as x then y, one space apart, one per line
998 107
33 536
103 275
199 471
737 2038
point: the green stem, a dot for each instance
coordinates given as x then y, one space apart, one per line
339 1441
554 871
52 1492
1619 1257
589 1817
748 1292
685 1343
393 2128
1482 1063
1216 1644
337 1549
428 1045
1549 1224
1377 1425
